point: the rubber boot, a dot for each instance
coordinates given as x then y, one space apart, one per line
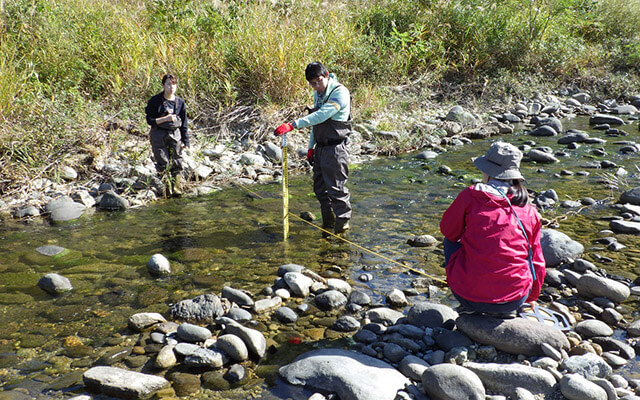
328 218
178 185
342 224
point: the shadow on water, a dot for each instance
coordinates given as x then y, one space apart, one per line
234 238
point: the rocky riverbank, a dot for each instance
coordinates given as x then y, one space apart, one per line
209 344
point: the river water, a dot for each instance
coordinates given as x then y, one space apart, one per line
234 238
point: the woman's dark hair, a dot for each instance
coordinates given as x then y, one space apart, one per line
170 77
520 195
314 70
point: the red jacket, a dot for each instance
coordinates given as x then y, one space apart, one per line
491 266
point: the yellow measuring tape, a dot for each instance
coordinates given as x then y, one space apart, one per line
286 213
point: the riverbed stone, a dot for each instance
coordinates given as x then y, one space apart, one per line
207 358
239 314
254 339
55 284
557 247
452 382
330 300
166 357
67 212
514 336
593 327
631 196
141 321
575 387
264 305
598 119
123 383
422 241
233 346
625 227
298 283
237 296
365 336
588 365
193 333
504 378
286 315
351 375
184 384
634 329
159 265
359 297
396 298
203 308
413 367
591 285
339 285
110 200
346 323
612 344
431 315
283 269
426 155
544 130
50 250
541 156
252 159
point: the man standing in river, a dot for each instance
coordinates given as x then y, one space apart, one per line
328 150
167 115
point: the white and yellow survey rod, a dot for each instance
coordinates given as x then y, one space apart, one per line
285 188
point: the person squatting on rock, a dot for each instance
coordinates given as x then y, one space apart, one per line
494 261
328 150
167 115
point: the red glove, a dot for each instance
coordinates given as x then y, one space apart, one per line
310 156
282 129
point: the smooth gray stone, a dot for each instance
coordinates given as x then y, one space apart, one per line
598 119
504 378
239 314
422 241
123 383
273 151
283 269
340 285
558 247
235 374
26 211
67 212
634 329
426 155
210 358
553 122
254 339
233 346
141 321
575 387
625 109
593 327
203 308
554 278
396 298
407 330
431 315
159 265
588 365
448 340
515 336
582 265
330 300
252 159
611 344
298 283
590 285
574 138
184 349
541 156
346 323
112 201
365 336
384 315
393 352
55 284
614 360
193 333
352 376
631 196
61 201
626 227
544 130
237 296
359 297
50 250
286 315
264 305
166 357
452 382
413 367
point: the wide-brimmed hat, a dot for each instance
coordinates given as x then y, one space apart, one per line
502 161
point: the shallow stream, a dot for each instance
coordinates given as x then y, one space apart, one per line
235 238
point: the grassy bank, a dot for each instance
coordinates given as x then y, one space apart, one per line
71 67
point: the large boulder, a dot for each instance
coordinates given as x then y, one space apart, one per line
352 376
558 247
452 382
515 336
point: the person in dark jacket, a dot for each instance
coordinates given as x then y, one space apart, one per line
167 116
328 149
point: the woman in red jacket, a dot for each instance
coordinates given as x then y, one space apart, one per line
493 256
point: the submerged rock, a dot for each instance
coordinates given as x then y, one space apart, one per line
55 284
